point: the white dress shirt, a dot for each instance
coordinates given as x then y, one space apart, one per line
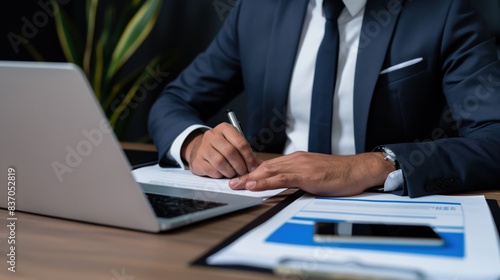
301 86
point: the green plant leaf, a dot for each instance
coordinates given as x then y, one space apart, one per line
135 3
98 70
100 84
134 34
91 22
124 14
118 86
67 33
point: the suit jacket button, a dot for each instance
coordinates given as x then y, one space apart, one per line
447 185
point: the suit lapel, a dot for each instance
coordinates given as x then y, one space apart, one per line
285 37
378 25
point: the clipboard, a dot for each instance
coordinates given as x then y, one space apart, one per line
202 261
287 266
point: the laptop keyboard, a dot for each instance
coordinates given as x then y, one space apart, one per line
171 206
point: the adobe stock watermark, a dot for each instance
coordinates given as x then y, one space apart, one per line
31 26
154 78
121 275
11 218
223 7
76 154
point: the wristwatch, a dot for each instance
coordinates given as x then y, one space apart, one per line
389 156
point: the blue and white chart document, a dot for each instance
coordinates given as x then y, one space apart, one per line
471 247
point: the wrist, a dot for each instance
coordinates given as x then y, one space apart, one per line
388 156
374 169
191 145
385 165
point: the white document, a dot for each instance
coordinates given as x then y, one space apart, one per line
182 178
471 249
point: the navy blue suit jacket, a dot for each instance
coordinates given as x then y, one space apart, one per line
440 116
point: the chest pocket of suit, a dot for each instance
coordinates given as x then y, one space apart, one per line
402 73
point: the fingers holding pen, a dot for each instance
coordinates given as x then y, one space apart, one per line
241 144
220 152
236 150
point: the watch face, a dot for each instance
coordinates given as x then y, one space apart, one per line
390 156
389 152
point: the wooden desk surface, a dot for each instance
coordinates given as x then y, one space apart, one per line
51 248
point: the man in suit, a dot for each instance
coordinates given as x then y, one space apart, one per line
414 104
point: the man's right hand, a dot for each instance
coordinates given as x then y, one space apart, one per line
219 152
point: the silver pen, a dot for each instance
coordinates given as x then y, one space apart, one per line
234 120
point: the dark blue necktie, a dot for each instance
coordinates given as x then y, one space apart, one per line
320 127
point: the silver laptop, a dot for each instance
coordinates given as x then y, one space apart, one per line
59 157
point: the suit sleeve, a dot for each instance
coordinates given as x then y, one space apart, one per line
208 83
471 85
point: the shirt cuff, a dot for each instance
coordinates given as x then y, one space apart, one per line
394 181
174 153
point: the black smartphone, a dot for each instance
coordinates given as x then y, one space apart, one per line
376 233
